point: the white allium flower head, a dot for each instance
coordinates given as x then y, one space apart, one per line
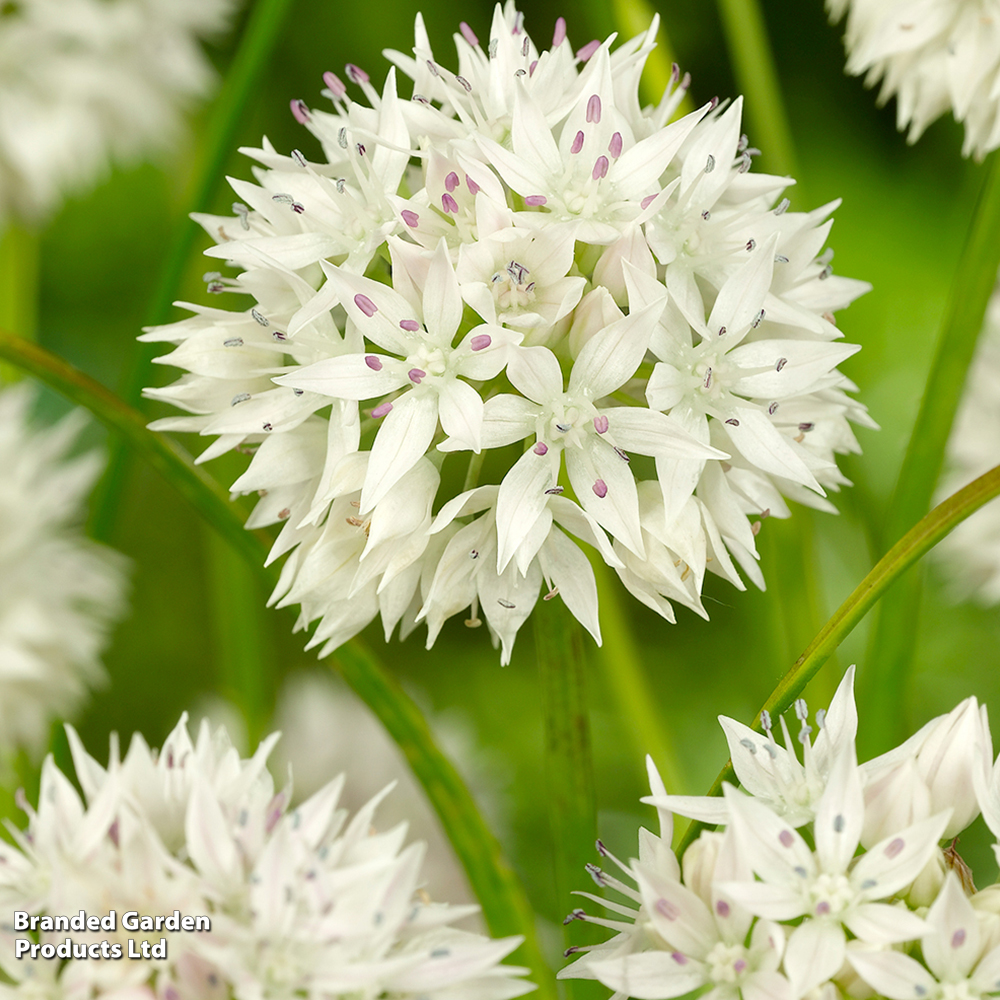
932 57
299 900
60 593
782 907
83 82
970 554
512 313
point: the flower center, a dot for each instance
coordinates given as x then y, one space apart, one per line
727 963
428 360
831 895
513 287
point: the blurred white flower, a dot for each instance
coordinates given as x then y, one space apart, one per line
84 82
60 593
517 266
970 554
932 57
299 900
325 727
796 897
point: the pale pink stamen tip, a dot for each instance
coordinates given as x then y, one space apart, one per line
958 938
480 341
471 185
600 168
416 374
410 218
594 108
449 204
300 111
559 35
356 73
678 958
541 448
334 84
588 50
664 906
468 34
615 147
895 847
577 143
786 838
534 200
739 965
601 424
451 181
722 908
647 201
373 362
531 68
381 410
822 909
365 304
410 325
601 488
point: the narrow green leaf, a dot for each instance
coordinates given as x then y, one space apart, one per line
505 905
19 263
894 638
912 546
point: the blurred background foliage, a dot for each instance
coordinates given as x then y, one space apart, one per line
904 216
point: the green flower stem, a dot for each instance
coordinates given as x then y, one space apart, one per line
19 261
504 903
757 80
912 546
622 664
260 35
894 638
569 771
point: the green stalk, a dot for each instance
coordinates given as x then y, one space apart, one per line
621 662
569 770
262 31
19 262
505 905
917 542
894 639
757 79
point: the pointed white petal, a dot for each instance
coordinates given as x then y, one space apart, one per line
892 974
461 412
350 376
521 500
649 975
814 953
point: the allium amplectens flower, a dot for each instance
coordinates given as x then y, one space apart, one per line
782 904
303 901
60 593
512 313
83 82
970 554
932 57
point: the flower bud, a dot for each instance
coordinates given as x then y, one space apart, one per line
927 885
596 310
896 798
958 744
987 907
699 864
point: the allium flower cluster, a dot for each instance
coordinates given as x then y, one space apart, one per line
85 81
828 878
303 901
513 313
971 553
60 593
932 57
